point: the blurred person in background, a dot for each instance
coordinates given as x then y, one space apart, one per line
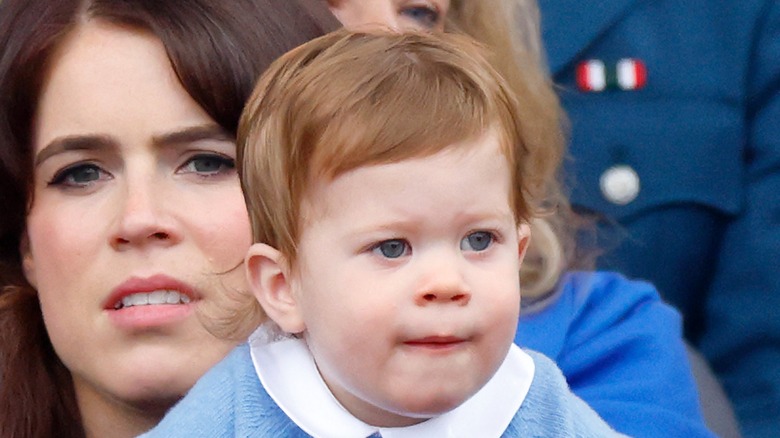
674 109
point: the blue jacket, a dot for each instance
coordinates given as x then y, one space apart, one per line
700 217
619 346
229 401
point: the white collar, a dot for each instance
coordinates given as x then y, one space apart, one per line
288 373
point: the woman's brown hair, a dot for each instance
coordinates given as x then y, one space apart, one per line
217 49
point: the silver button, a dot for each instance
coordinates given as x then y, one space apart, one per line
620 184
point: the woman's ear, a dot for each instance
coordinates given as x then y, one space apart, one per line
269 277
523 239
28 262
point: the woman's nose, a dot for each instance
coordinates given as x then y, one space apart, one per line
144 216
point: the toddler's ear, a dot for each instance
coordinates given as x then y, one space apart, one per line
523 238
269 278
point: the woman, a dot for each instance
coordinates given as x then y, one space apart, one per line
618 345
122 210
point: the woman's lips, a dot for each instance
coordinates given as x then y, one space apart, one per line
150 317
148 302
157 297
157 289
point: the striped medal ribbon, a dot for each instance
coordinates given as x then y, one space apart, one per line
593 75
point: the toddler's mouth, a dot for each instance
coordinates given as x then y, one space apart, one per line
436 342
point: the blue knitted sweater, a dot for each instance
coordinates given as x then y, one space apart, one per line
230 401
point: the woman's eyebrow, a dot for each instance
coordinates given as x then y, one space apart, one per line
73 143
191 135
103 142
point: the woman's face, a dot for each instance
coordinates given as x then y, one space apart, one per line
397 14
137 220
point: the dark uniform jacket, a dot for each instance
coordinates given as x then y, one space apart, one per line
680 145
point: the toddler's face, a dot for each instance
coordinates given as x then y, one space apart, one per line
407 281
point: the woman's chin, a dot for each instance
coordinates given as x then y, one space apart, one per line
151 379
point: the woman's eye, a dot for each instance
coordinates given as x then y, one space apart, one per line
209 164
392 249
79 175
426 16
477 241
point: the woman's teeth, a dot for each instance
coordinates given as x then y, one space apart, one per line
156 297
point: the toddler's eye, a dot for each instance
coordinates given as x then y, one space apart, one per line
476 241
391 249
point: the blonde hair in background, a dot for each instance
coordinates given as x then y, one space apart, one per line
510 28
